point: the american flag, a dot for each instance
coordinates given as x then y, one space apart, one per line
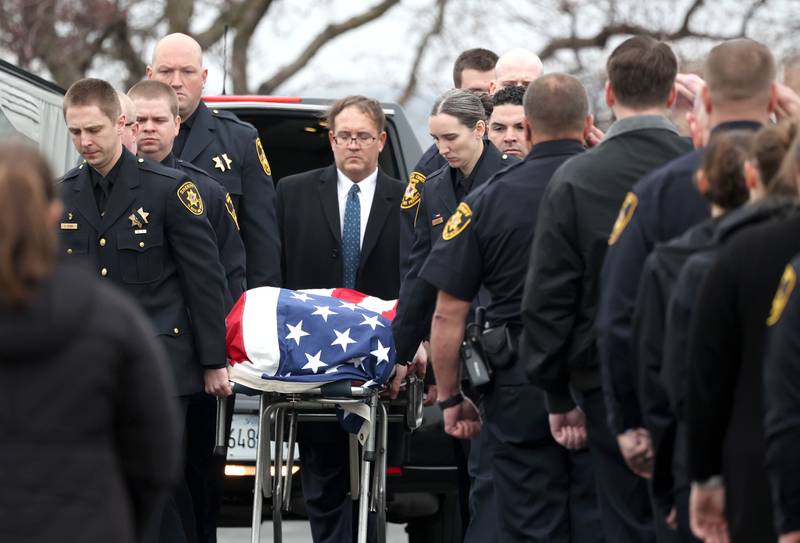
290 341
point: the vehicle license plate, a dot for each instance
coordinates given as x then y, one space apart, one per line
243 440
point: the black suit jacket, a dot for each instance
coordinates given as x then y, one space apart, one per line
161 251
308 220
231 152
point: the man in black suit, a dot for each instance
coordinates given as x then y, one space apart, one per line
339 227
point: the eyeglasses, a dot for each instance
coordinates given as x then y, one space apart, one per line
363 139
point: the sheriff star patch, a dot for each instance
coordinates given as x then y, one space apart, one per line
624 217
190 198
231 209
413 190
262 157
458 222
785 288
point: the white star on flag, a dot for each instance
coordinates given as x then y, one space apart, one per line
372 322
358 362
302 296
296 332
323 311
343 339
334 369
348 305
314 363
381 353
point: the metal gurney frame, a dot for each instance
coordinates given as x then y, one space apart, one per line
367 473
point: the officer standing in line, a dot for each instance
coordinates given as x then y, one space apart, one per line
230 150
473 71
543 492
156 109
144 227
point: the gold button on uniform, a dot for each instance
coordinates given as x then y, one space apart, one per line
69 251
176 331
141 244
104 272
102 242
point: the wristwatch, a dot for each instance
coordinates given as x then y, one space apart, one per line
453 400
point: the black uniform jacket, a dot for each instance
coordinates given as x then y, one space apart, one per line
224 221
665 204
438 202
154 242
782 401
89 430
231 152
576 218
430 161
726 348
311 234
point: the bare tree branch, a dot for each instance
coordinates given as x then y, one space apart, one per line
244 33
748 16
178 13
689 13
436 28
329 33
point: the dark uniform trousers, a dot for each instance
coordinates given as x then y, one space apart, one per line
154 241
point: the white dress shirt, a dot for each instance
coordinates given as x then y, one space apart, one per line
366 194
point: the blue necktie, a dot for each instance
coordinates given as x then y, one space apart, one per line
351 237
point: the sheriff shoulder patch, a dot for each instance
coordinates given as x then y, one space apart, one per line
190 198
231 209
624 217
785 288
262 157
457 222
413 191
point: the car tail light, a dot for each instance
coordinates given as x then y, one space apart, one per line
394 470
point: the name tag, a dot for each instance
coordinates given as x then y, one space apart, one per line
143 231
69 226
437 220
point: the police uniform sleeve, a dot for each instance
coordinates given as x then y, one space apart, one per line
455 265
229 241
417 297
550 299
782 401
193 245
714 346
619 280
257 220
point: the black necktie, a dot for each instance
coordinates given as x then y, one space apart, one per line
180 141
101 194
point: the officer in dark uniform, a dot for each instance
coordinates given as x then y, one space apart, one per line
473 70
145 227
216 141
543 492
782 404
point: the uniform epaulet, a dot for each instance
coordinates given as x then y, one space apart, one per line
189 166
438 172
228 116
159 169
73 172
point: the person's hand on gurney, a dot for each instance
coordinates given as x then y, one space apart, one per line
216 382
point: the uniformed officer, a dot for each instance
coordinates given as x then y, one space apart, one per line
543 492
457 124
782 404
156 107
473 70
216 141
145 228
740 94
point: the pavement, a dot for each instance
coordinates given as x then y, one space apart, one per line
297 531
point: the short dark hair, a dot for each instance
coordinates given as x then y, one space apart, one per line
94 92
478 59
506 96
770 145
739 69
723 166
369 106
150 89
642 72
556 104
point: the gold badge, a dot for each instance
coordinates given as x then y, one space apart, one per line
785 288
624 217
190 198
413 193
458 222
135 220
231 209
262 157
143 214
222 162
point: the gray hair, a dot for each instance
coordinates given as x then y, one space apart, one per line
464 105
